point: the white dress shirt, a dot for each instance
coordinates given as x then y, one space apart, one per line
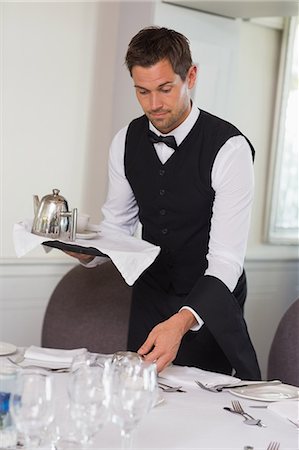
233 183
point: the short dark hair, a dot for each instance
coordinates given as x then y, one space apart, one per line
153 44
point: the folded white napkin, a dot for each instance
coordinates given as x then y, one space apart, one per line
129 254
288 409
186 376
50 357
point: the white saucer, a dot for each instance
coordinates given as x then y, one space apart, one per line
93 227
87 235
7 349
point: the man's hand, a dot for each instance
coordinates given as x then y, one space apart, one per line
163 342
82 257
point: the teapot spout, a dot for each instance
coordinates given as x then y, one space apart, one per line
35 204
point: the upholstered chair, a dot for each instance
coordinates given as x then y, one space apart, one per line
283 362
88 308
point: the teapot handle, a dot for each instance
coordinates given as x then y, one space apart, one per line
73 222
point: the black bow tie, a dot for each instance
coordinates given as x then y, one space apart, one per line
168 140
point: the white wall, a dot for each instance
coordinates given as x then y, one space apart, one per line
65 92
57 83
62 98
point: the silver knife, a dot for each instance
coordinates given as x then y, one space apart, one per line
262 383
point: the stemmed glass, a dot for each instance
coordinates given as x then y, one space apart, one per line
89 394
126 357
134 392
32 405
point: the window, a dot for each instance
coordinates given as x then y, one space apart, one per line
283 223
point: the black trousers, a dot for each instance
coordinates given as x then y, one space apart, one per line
152 305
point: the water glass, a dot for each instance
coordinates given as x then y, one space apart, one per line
8 433
32 405
134 393
89 395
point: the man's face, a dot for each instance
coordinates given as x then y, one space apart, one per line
163 96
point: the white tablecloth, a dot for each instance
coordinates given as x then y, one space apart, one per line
193 420
196 420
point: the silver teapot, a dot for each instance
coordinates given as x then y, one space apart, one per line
52 217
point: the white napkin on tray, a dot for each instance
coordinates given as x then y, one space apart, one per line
53 358
289 409
186 376
130 255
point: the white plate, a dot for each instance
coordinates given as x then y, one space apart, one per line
269 393
7 349
87 235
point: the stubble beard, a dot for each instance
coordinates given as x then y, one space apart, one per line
170 122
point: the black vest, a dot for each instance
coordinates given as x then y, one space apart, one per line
175 199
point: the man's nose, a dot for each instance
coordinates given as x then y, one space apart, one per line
155 101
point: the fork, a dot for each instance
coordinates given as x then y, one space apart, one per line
167 388
215 388
238 408
273 446
206 388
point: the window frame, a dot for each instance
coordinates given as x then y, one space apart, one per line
272 236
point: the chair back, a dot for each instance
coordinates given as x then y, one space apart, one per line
283 362
88 308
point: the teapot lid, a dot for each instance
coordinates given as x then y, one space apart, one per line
55 197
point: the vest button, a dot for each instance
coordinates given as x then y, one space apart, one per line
161 172
162 192
165 231
162 212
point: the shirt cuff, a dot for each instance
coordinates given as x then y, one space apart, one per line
199 320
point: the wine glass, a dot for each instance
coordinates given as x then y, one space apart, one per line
32 405
126 355
89 394
91 360
134 392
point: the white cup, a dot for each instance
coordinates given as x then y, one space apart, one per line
82 222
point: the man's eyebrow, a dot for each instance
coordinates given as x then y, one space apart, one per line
160 85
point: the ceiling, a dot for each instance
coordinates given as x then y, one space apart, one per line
243 9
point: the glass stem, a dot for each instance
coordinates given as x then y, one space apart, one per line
126 439
32 442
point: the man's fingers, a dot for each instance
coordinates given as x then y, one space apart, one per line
162 360
146 347
162 363
81 256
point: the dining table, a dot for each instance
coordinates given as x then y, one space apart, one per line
192 419
195 419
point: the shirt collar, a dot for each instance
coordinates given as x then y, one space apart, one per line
182 130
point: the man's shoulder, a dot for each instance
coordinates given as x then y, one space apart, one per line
220 131
215 121
121 134
141 122
137 128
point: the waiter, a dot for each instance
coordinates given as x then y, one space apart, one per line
187 177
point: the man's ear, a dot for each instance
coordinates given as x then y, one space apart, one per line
191 76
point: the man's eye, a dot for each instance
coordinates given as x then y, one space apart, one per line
142 92
166 90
